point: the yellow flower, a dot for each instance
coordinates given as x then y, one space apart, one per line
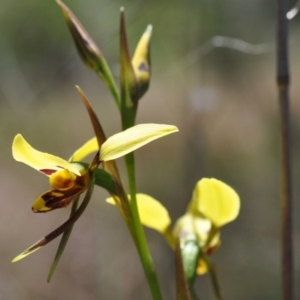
213 205
70 179
67 179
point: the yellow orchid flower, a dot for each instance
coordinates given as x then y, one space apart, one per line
67 179
213 205
70 179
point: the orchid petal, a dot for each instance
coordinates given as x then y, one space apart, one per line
54 199
152 213
216 200
141 61
57 198
202 267
86 149
133 138
43 162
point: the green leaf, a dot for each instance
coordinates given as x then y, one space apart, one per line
105 180
102 178
63 242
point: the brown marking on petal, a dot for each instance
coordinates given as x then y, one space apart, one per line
48 171
59 204
211 250
61 198
63 183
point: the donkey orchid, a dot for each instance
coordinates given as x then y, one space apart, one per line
71 179
67 180
213 205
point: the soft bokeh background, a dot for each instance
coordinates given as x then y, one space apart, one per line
224 102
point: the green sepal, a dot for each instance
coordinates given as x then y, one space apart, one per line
63 241
129 83
102 179
190 252
182 285
105 180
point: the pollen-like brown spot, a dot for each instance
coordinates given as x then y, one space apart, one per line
143 67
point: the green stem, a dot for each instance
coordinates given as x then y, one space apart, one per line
63 241
194 294
110 82
214 278
140 240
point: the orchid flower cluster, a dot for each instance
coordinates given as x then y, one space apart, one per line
193 237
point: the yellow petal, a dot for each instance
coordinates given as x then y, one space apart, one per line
216 200
28 251
202 267
86 149
43 162
141 60
62 179
152 213
55 199
133 138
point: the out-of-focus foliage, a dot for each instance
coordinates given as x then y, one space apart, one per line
224 103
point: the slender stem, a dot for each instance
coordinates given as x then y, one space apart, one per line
141 242
214 278
182 284
111 84
286 180
194 294
63 242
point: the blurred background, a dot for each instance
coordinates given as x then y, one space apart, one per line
220 92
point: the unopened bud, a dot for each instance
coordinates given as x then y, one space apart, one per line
86 47
141 61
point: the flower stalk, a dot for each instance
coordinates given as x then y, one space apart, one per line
141 242
214 278
283 79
